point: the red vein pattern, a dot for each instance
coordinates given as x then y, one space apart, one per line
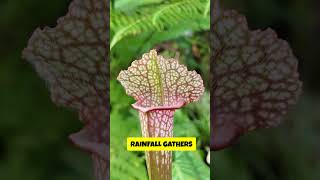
254 78
72 59
158 123
160 86
156 81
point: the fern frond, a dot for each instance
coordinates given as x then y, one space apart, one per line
125 164
160 18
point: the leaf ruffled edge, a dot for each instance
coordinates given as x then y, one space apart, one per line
192 96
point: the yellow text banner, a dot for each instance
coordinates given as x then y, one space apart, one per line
161 144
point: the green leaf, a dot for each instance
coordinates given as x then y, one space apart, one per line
122 5
189 166
125 164
183 126
159 18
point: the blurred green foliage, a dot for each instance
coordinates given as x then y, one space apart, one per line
180 38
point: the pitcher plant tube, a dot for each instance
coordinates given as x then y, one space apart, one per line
160 86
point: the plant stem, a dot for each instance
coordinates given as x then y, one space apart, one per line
100 168
216 8
158 123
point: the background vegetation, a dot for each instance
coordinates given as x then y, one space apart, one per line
291 151
174 28
33 131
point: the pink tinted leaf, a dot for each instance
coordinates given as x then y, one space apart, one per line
160 86
72 59
255 78
154 81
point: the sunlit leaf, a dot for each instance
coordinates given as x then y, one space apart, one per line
159 18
